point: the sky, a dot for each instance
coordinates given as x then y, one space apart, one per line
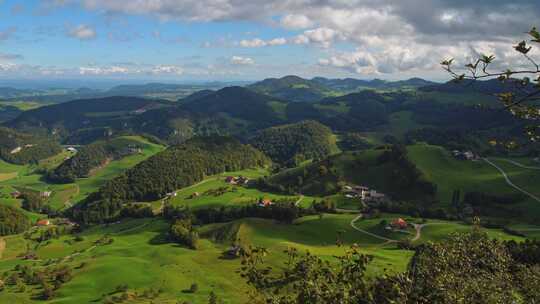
187 40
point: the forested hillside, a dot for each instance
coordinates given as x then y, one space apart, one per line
292 88
294 143
65 118
387 170
93 156
350 85
240 103
21 148
12 221
174 168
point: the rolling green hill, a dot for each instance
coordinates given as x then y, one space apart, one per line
31 176
141 258
177 167
21 148
293 144
292 88
93 156
387 171
449 174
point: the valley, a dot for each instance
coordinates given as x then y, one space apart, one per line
146 200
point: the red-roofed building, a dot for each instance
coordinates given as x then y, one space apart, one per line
399 223
43 222
265 203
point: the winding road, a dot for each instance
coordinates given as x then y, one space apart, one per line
518 164
369 233
509 182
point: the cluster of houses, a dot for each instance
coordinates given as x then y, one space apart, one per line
19 149
58 222
365 194
237 180
18 194
465 155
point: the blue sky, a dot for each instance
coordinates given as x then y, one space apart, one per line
182 40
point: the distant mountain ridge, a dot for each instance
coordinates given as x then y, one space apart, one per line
297 89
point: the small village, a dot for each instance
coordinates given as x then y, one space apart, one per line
365 194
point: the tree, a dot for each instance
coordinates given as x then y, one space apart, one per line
522 99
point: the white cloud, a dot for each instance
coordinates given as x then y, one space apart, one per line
238 60
103 70
257 42
320 36
296 22
168 69
82 32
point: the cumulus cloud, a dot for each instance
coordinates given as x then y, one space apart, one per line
238 60
321 36
387 36
82 32
296 22
257 42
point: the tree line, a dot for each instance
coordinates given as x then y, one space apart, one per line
294 143
177 167
92 156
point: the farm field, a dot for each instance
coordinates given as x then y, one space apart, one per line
451 174
209 194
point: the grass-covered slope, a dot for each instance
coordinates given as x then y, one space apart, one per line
449 174
294 143
32 176
177 167
140 257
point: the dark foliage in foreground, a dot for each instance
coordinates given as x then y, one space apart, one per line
467 268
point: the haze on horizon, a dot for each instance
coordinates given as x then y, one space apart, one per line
206 40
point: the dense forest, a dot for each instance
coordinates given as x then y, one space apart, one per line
294 143
21 148
292 88
91 157
12 221
175 168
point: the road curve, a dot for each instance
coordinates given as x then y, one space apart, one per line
513 162
509 182
369 233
